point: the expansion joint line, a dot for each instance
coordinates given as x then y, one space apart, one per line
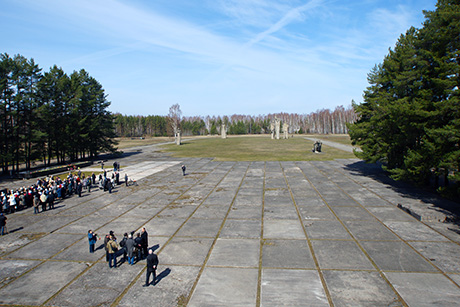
401 300
259 277
218 233
310 245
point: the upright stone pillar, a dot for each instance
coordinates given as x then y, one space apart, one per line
277 128
285 131
272 130
178 140
223 131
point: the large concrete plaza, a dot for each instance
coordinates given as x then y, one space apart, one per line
239 234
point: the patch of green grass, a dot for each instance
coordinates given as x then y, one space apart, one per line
254 148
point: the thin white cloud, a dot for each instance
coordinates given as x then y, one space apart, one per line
290 16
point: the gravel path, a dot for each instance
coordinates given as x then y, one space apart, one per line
343 147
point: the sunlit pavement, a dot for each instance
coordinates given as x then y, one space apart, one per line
237 234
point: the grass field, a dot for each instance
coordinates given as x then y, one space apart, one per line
134 142
258 148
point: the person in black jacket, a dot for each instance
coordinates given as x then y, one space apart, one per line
152 264
144 242
3 223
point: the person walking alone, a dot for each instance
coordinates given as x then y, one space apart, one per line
152 264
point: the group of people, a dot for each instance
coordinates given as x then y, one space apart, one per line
133 249
43 194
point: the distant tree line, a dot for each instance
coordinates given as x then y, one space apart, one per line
323 121
50 116
410 117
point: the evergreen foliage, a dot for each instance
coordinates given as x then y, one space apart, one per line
410 117
51 115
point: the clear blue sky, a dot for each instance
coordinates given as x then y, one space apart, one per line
213 57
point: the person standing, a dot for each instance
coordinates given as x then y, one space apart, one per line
36 202
152 264
92 238
51 200
123 245
43 199
3 223
183 169
129 245
126 179
112 248
138 246
79 188
144 242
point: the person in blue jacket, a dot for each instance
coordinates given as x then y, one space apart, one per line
92 238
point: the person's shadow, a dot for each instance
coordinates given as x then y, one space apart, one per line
155 247
162 275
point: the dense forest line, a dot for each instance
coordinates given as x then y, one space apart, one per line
410 117
323 121
50 116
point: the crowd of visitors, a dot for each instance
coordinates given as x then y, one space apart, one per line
43 194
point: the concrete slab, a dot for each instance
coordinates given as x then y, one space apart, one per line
359 288
396 256
235 253
352 213
11 269
370 230
319 212
292 288
326 229
45 247
79 251
415 231
245 212
288 212
444 255
173 287
283 229
37 286
455 278
49 224
424 289
241 229
98 286
186 251
210 212
163 226
200 228
287 254
389 213
350 256
123 224
226 287
81 226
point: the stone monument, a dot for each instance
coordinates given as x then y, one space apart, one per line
285 131
178 140
223 131
272 130
277 128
